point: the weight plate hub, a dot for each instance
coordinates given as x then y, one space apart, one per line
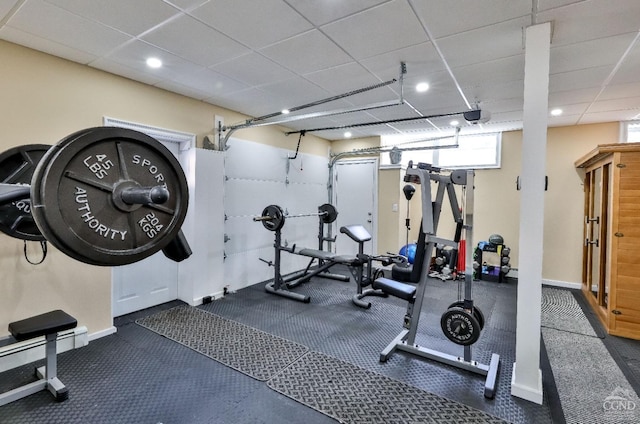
328 213
460 326
17 166
276 218
76 189
477 313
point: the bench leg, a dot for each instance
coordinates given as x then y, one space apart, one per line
47 378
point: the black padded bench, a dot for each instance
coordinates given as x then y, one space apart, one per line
395 288
48 325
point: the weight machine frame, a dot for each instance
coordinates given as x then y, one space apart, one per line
424 174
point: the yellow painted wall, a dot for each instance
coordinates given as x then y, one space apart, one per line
44 99
497 202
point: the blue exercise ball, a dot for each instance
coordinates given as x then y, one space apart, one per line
409 251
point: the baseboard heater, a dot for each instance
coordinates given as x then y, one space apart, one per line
16 354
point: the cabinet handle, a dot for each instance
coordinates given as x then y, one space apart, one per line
588 220
619 235
588 242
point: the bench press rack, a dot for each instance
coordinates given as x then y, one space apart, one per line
424 174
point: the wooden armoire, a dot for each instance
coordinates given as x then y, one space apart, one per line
611 248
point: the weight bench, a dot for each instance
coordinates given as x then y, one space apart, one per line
47 325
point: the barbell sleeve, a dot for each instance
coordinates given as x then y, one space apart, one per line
145 195
262 218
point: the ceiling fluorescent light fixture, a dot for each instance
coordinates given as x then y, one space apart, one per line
154 62
285 111
347 134
454 123
422 87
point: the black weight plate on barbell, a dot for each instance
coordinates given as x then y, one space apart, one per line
330 214
16 167
276 215
476 311
460 326
74 206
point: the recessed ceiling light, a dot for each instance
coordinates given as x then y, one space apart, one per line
347 134
454 123
422 87
556 112
285 111
154 62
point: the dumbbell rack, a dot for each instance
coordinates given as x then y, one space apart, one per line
479 273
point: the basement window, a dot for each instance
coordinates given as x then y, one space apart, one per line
470 151
630 132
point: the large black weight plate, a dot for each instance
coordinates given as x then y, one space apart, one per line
329 213
476 312
460 326
16 167
276 218
73 200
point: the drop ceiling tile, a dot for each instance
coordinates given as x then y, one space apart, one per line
628 70
589 54
494 91
306 53
469 15
125 71
192 40
343 78
613 116
620 91
52 23
292 93
572 109
593 19
320 12
209 83
174 87
253 23
41 44
580 79
421 61
384 28
259 102
253 69
187 4
552 4
615 104
567 97
6 6
132 17
500 70
134 54
484 44
503 105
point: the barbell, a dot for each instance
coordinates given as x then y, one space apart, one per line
273 217
104 196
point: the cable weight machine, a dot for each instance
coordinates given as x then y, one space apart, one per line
461 322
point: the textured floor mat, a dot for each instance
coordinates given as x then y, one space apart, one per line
592 388
561 311
252 352
354 395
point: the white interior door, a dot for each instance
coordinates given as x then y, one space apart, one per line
355 197
153 280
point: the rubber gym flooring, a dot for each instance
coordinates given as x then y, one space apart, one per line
140 376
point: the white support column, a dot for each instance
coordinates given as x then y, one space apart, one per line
526 381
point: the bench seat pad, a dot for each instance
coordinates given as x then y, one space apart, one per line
43 324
